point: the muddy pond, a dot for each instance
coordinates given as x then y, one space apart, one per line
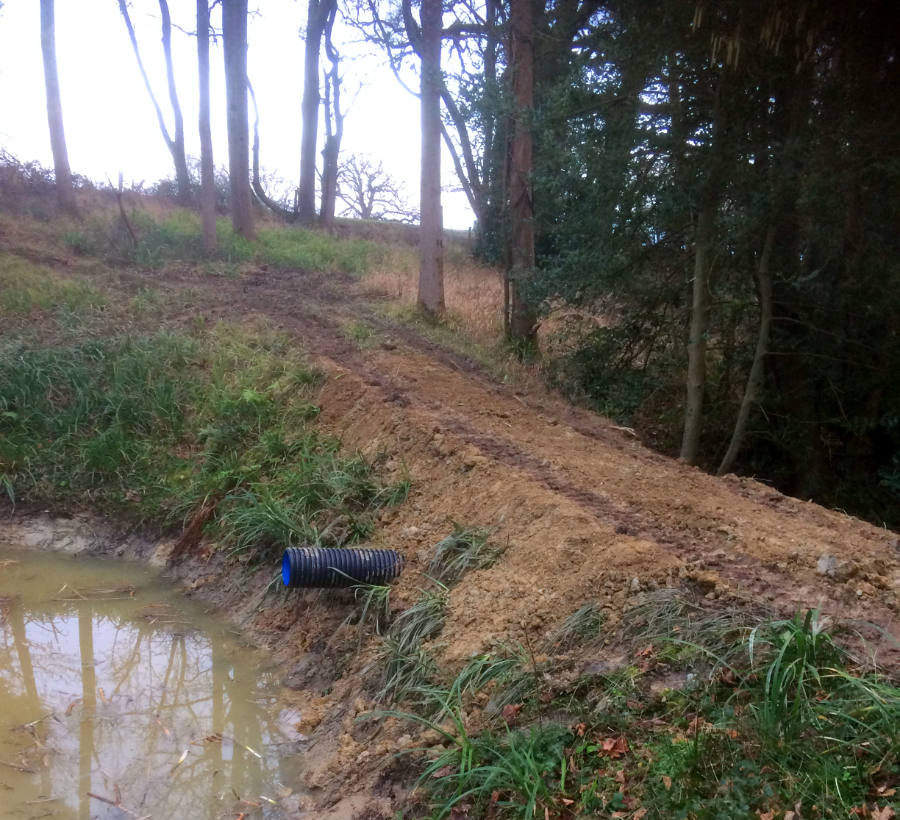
119 698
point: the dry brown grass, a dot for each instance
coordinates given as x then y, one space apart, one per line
473 292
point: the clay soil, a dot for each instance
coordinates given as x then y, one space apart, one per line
583 509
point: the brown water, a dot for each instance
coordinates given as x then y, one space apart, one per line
114 688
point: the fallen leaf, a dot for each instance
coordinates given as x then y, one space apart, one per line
443 772
511 711
887 813
667 781
766 815
638 814
580 729
613 747
732 733
565 801
620 776
728 677
790 815
646 652
618 814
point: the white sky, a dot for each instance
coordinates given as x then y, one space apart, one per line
111 124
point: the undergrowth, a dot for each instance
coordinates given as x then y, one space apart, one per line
160 426
760 719
176 235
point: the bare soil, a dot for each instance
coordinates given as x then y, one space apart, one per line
584 510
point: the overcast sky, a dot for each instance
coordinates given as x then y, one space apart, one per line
109 119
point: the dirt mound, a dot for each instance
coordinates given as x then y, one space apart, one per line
585 512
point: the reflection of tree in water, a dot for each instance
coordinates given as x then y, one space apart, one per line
145 696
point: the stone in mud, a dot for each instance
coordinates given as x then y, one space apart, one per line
829 566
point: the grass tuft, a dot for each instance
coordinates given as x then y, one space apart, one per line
463 550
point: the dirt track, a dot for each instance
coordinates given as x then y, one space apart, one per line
586 511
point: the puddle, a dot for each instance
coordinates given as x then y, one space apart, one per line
121 699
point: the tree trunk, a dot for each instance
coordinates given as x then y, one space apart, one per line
431 240
175 143
65 193
234 37
207 168
316 19
754 380
255 178
522 319
334 128
182 177
706 218
696 377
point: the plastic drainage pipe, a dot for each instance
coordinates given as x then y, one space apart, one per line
310 567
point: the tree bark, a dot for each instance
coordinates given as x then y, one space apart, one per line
522 319
175 143
754 380
182 177
317 16
65 193
207 168
234 37
431 239
334 128
703 237
696 376
255 178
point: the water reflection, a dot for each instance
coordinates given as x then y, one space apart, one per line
117 699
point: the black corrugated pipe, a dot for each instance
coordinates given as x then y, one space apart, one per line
309 567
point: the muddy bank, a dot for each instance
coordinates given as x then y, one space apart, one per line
307 644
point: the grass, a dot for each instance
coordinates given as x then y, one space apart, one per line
407 667
585 625
779 721
26 288
465 549
175 235
374 606
157 426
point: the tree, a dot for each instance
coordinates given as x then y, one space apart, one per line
175 140
65 192
334 128
318 14
426 40
369 192
234 37
207 168
520 320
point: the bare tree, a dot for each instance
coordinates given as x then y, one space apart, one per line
318 14
65 193
234 37
207 168
175 140
369 192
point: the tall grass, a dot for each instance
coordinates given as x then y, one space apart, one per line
165 424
